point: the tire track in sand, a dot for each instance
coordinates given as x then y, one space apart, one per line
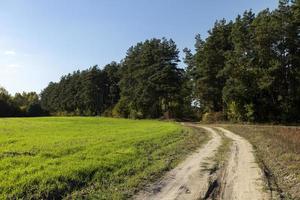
188 180
242 178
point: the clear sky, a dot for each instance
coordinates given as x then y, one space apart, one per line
42 40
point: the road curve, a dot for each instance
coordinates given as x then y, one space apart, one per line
188 180
242 177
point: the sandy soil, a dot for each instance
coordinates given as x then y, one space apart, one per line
188 180
243 177
240 179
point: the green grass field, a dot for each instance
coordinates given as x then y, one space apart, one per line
72 157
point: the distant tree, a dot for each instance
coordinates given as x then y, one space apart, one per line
35 110
239 70
205 66
87 92
49 98
7 108
249 68
151 81
113 76
24 100
286 17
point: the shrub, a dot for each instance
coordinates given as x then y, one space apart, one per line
35 110
134 114
211 117
121 109
249 114
108 112
233 112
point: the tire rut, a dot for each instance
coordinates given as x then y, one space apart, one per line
242 178
188 180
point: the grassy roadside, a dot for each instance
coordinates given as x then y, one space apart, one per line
278 151
87 157
222 154
158 162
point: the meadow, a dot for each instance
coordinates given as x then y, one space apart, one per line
87 157
278 152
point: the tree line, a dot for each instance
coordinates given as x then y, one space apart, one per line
146 84
87 92
247 69
20 105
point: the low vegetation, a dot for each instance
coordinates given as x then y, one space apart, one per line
59 157
217 167
278 152
223 153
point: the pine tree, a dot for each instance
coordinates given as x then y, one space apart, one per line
150 79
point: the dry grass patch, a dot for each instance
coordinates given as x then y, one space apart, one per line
278 151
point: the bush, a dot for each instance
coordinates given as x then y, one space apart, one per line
121 109
233 112
211 117
108 112
35 110
249 114
135 114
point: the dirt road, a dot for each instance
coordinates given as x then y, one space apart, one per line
188 180
241 177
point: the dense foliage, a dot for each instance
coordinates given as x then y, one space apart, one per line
147 84
151 80
25 104
88 92
249 69
245 70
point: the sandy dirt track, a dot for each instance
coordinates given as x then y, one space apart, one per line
239 179
188 180
242 177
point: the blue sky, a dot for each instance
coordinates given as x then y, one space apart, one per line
42 40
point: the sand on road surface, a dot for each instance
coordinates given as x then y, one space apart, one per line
242 178
239 179
188 180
